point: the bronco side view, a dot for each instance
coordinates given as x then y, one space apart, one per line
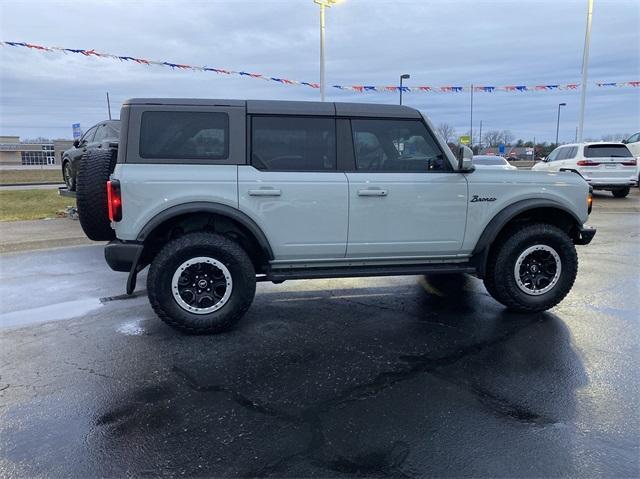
215 195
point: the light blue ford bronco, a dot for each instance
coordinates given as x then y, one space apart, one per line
215 195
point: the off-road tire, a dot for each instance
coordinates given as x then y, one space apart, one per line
193 245
500 280
621 192
67 175
91 193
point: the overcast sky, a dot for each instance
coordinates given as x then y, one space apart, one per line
453 42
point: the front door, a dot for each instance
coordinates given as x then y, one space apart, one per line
292 188
404 197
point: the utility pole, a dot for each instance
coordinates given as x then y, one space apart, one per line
404 76
108 105
585 69
558 122
471 126
480 136
323 4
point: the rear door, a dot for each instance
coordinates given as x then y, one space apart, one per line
292 188
404 197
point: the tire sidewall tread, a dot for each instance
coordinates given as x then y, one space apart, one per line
173 254
500 281
91 193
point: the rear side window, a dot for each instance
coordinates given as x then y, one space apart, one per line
606 151
396 145
286 143
184 135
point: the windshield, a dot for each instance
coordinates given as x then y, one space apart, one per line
606 151
489 160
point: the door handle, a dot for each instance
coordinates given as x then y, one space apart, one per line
265 192
372 192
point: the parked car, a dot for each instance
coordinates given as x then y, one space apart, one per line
104 135
492 162
633 143
605 166
215 195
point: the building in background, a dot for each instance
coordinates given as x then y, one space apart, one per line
14 153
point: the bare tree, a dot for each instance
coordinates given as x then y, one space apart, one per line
447 131
492 138
507 136
615 137
495 137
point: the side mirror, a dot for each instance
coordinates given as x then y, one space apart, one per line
625 141
76 143
465 158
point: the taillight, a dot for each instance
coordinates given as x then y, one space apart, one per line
587 163
114 200
632 162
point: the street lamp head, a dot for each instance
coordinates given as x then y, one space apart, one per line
405 76
562 104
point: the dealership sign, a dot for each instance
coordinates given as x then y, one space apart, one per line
77 132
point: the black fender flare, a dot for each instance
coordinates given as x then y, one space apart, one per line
498 222
569 170
209 207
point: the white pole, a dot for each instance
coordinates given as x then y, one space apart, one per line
585 68
322 6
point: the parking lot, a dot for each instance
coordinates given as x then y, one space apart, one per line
375 377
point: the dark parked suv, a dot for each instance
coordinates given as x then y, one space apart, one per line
104 135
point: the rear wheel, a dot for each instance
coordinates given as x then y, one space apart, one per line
621 192
201 283
532 269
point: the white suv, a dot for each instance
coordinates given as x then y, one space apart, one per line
605 166
633 143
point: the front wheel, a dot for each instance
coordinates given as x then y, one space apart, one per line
533 268
201 283
621 192
67 175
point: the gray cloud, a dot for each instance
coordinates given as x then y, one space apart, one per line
368 42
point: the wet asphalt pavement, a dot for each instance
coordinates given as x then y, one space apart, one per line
332 378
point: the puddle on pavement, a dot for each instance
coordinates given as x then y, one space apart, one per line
53 312
131 328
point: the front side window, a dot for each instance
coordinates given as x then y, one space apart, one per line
88 136
396 145
286 143
562 153
553 156
184 135
101 134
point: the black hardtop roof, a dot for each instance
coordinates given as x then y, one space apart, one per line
281 107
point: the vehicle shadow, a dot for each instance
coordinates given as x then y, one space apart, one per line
380 377
415 378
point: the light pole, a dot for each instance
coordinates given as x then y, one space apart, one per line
558 122
585 69
404 76
323 4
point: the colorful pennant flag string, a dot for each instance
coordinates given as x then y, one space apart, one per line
353 88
